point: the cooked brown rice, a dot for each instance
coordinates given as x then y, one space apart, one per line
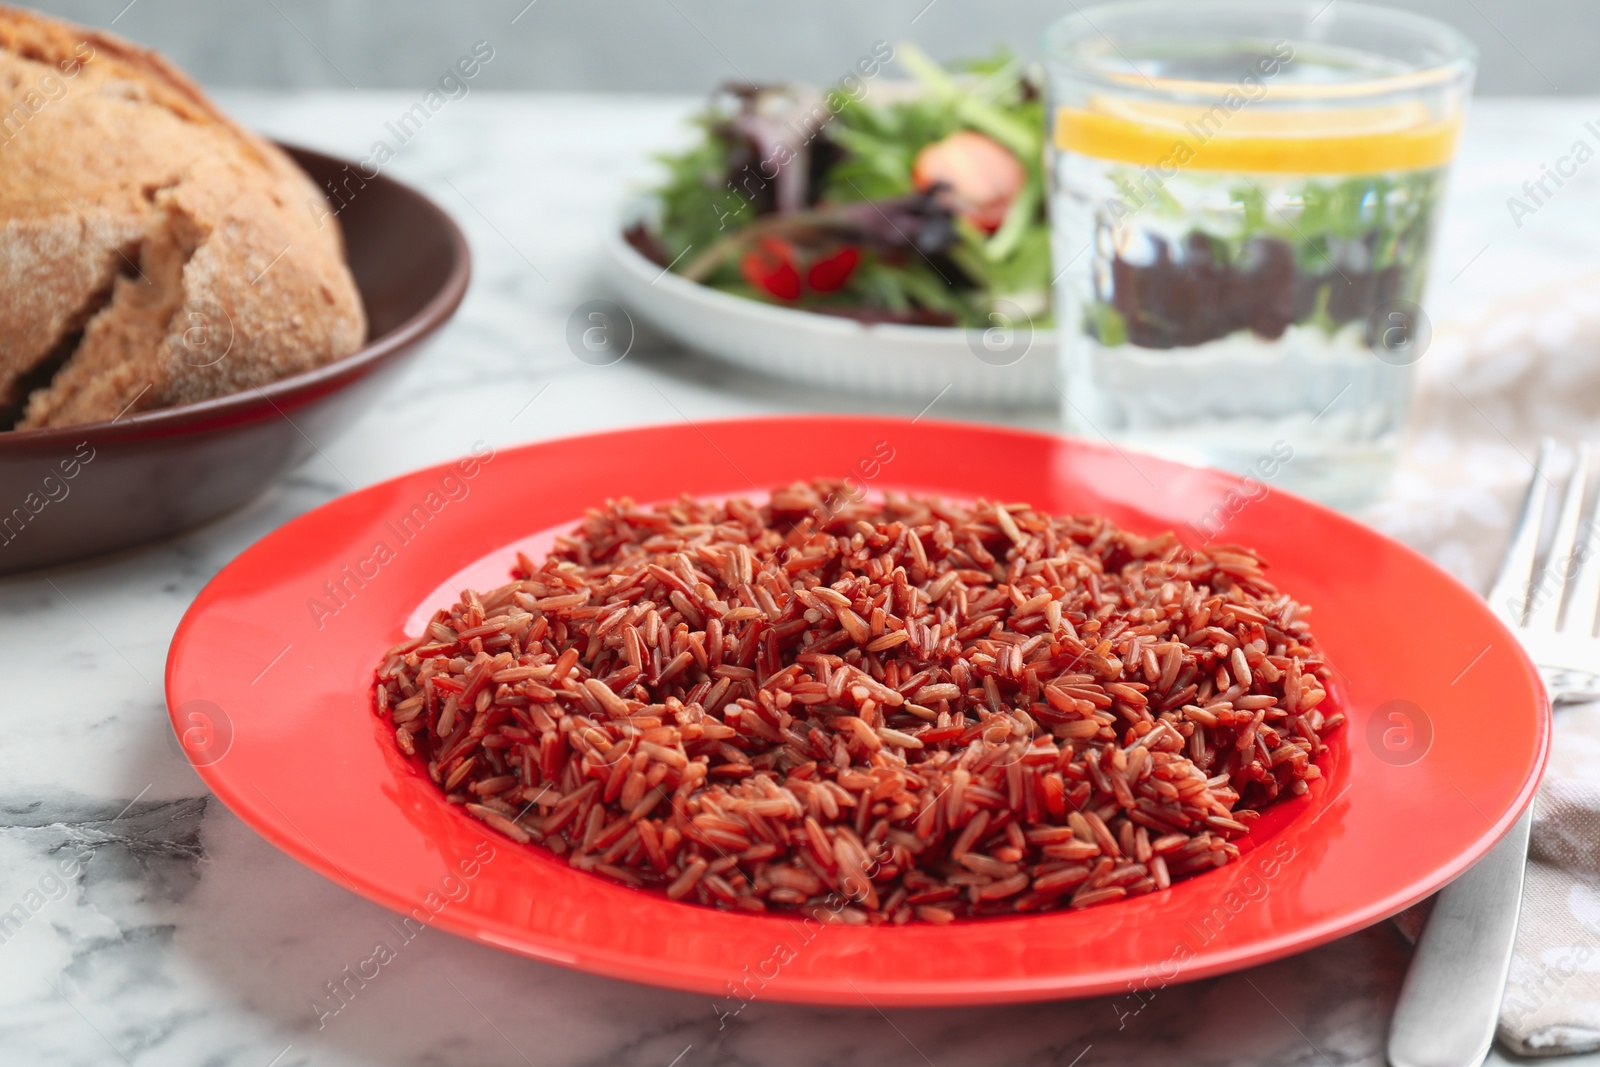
875 712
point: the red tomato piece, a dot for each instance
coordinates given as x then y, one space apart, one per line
980 174
770 267
831 272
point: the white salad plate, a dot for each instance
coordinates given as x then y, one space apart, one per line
1017 365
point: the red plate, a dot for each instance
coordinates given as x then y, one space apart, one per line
269 682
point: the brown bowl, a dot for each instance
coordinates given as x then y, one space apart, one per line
74 491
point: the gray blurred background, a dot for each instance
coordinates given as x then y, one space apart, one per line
687 46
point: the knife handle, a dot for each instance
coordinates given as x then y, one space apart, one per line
1450 1002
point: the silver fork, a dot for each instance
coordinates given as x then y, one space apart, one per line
1450 1002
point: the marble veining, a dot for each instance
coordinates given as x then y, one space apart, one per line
141 923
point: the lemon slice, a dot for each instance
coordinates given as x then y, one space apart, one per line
1233 135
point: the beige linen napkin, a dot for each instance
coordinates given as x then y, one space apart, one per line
1552 1001
1486 395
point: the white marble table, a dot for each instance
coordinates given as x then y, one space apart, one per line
184 939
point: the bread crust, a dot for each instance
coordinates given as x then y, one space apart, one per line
195 258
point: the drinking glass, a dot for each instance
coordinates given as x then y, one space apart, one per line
1243 201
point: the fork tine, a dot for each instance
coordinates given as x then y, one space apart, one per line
1583 597
1509 596
1544 609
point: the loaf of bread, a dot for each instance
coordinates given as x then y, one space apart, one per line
152 252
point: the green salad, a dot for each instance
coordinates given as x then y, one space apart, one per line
881 201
